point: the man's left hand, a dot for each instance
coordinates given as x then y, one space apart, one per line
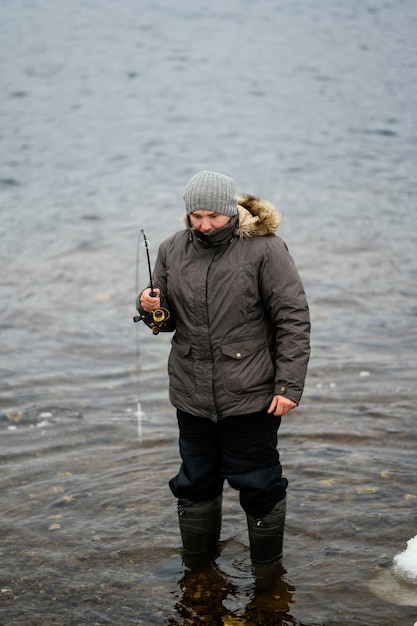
281 405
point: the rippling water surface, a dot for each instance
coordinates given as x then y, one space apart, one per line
106 110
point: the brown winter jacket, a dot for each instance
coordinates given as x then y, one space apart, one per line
240 317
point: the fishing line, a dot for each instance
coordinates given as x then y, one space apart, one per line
139 412
157 321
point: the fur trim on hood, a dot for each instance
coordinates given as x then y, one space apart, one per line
257 217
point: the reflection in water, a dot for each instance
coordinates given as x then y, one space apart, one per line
211 596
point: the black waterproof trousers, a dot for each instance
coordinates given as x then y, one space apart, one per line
241 450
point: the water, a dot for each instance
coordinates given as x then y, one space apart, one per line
106 111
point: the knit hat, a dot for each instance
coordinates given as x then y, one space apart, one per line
210 191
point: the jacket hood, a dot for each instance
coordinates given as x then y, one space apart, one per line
257 217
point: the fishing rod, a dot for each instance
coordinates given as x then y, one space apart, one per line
159 316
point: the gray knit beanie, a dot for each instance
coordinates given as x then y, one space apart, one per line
210 191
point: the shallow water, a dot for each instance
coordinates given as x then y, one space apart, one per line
106 112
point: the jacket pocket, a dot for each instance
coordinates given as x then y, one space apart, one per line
181 369
247 367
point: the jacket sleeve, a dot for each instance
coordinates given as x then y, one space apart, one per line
159 281
286 303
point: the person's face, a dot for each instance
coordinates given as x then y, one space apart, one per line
207 221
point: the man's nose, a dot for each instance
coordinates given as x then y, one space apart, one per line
206 225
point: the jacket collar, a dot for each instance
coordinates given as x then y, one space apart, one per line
217 237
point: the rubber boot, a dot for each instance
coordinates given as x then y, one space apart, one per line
200 525
266 534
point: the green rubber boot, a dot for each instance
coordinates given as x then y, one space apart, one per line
200 525
266 534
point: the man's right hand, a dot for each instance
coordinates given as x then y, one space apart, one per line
149 303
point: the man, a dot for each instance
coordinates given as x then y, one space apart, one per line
230 291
